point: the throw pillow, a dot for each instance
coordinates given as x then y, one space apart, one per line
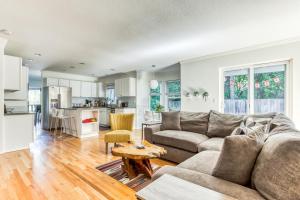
280 124
238 156
222 125
252 121
170 121
194 122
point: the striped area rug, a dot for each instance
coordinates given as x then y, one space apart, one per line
114 170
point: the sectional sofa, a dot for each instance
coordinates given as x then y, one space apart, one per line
197 145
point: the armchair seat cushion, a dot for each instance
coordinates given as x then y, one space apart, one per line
185 140
117 136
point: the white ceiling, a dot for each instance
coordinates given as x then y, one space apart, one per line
135 34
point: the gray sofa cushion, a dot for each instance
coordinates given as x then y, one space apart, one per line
194 121
238 156
222 125
211 144
276 174
176 155
170 121
180 139
210 182
281 123
203 162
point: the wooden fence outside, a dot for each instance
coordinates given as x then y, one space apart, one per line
237 106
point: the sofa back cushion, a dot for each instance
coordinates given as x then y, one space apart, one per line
238 156
170 121
222 125
194 122
276 174
280 124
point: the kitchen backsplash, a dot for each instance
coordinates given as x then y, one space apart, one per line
131 101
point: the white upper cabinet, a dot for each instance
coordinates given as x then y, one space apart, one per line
64 83
125 87
94 90
12 73
86 89
23 93
118 87
76 88
50 82
101 92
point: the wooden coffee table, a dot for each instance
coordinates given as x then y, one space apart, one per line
137 161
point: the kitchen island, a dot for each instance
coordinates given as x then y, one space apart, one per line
84 122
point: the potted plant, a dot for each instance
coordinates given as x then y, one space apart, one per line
196 93
158 109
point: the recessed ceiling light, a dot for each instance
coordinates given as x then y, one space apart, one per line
82 63
5 32
29 60
72 67
38 54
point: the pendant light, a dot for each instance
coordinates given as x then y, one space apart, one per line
154 83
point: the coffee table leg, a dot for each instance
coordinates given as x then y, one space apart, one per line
129 167
144 166
135 167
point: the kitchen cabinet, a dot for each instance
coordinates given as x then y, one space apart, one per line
19 131
101 92
64 83
86 89
22 94
125 87
76 88
50 82
12 73
94 92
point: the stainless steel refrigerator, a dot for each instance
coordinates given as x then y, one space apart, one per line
54 97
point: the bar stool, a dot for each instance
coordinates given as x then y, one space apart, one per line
58 115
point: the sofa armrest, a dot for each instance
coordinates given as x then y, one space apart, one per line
148 131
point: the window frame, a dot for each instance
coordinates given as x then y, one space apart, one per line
163 94
252 67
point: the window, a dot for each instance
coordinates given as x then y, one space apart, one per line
110 94
255 89
174 97
166 94
155 97
34 99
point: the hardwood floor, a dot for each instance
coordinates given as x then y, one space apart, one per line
61 169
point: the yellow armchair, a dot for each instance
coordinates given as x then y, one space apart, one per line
121 126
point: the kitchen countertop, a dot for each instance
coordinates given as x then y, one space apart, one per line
20 113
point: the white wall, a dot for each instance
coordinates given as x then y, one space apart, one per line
204 73
2 46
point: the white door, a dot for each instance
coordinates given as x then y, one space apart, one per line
76 88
